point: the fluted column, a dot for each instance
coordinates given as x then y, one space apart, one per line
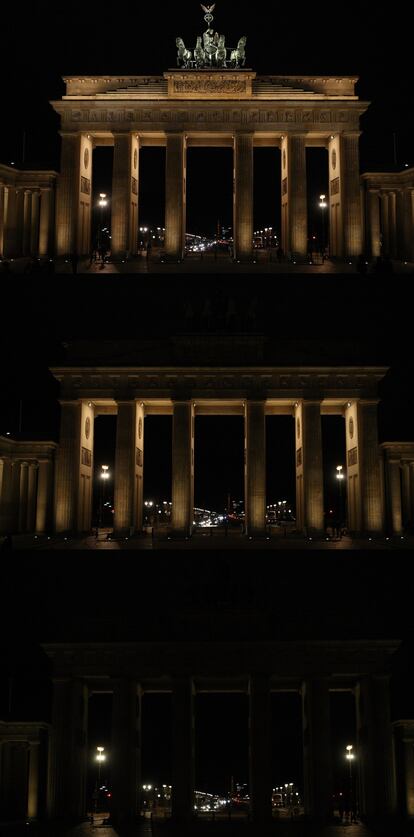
394 487
260 749
10 248
309 468
2 211
353 468
243 196
67 468
375 753
317 756
68 750
15 499
44 496
374 223
27 221
45 223
255 467
386 245
408 230
351 196
125 756
392 206
7 511
31 497
124 226
74 195
34 223
33 781
404 752
294 195
371 490
183 468
175 195
24 482
405 493
400 224
182 749
412 491
125 467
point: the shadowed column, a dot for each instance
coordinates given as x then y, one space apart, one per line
175 195
371 490
34 228
317 759
67 467
255 467
183 468
243 196
125 761
182 749
260 754
44 496
375 753
124 210
68 752
374 222
125 457
351 195
309 468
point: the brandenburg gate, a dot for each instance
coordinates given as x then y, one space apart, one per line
132 393
210 99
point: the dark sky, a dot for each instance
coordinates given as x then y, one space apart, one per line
373 43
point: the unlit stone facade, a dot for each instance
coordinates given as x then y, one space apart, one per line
27 212
26 485
389 214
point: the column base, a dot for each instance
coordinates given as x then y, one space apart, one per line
123 533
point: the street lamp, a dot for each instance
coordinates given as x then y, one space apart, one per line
350 756
340 477
322 206
102 203
104 475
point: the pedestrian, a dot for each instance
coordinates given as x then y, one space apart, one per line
7 544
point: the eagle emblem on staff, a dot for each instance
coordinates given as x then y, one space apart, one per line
210 49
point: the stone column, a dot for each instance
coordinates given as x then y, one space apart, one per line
351 194
400 225
411 490
255 467
309 469
24 482
27 221
34 226
74 195
408 229
317 757
375 753
7 510
405 496
374 223
125 755
45 223
243 196
294 200
10 239
44 496
31 498
2 211
175 196
260 749
394 499
392 206
125 195
183 468
182 749
125 468
68 751
67 468
353 468
385 218
139 467
15 499
371 492
404 752
33 781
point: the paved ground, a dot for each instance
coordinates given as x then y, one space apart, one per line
197 265
217 541
208 829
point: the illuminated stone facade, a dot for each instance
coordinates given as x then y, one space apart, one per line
27 212
389 214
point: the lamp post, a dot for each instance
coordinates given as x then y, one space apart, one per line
340 477
322 206
102 203
104 475
350 756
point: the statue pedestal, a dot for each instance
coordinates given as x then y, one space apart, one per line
210 84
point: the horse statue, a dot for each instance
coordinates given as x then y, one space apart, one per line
184 55
199 54
221 54
238 56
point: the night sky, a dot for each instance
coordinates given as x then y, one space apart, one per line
336 320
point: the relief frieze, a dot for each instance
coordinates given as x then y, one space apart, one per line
194 115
